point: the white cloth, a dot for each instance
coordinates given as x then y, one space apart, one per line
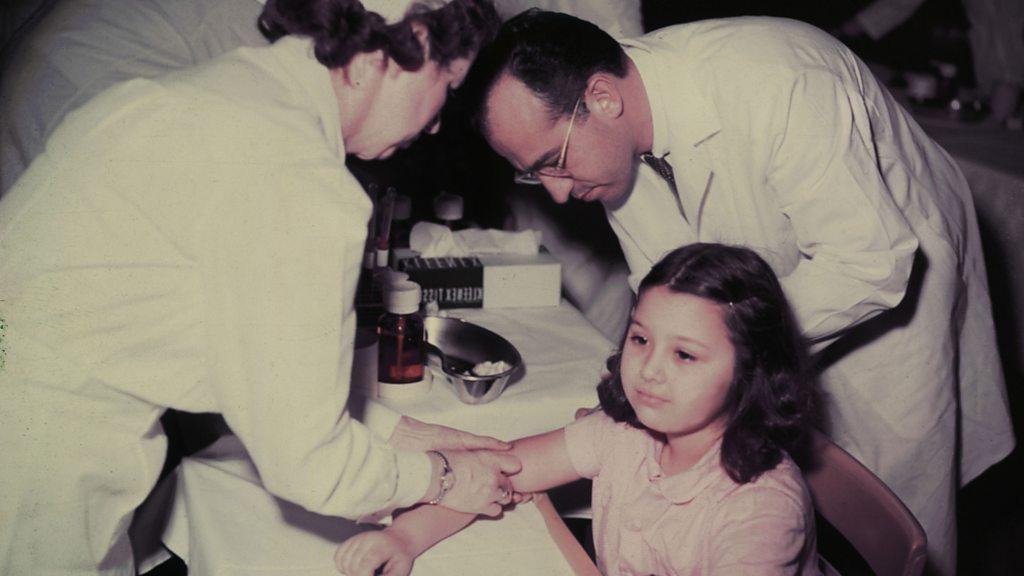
432 240
224 522
620 18
82 47
188 242
782 141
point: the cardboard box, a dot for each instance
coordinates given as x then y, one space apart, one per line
485 280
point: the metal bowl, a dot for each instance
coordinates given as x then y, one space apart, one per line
468 344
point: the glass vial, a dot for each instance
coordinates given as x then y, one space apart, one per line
400 333
401 221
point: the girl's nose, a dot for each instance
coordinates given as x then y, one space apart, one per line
651 370
559 188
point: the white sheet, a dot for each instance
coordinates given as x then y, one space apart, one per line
83 47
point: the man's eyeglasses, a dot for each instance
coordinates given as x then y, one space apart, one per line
556 170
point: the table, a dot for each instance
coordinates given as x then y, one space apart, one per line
224 523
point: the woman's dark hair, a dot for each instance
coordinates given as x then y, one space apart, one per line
770 404
341 29
553 54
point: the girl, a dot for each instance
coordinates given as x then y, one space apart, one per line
690 451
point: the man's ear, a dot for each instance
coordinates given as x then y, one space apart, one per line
603 97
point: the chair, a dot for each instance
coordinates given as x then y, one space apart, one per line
863 509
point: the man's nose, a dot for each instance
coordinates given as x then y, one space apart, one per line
559 188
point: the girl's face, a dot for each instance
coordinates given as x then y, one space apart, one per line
677 364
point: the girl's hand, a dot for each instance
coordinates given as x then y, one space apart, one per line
363 554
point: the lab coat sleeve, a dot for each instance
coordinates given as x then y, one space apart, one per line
283 246
380 419
856 247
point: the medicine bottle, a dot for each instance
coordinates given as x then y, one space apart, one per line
400 333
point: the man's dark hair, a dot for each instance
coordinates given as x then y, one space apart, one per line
770 405
553 54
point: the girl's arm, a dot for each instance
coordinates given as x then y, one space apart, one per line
546 464
395 547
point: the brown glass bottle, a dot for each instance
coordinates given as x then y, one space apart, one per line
400 332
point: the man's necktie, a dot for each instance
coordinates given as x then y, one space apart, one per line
664 169
661 166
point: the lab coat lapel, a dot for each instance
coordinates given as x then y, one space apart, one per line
693 124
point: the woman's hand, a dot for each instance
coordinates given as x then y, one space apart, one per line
481 482
363 554
416 436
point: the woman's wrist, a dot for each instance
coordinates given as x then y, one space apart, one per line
443 478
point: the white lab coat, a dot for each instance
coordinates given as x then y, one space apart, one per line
189 242
82 47
782 141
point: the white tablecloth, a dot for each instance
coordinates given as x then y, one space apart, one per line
224 522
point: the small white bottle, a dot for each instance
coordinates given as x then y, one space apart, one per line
448 210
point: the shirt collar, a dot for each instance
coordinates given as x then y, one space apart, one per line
313 80
687 485
695 118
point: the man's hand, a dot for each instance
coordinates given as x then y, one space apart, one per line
363 554
416 436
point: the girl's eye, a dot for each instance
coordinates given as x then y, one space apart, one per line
684 356
638 339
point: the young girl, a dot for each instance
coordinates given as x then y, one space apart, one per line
690 451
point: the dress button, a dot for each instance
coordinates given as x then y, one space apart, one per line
635 525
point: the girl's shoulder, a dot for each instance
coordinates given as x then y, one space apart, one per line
602 428
597 439
784 484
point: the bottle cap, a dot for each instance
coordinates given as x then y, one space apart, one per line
448 207
402 209
403 297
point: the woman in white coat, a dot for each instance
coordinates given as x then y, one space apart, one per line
193 241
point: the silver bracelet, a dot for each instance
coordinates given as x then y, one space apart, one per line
447 477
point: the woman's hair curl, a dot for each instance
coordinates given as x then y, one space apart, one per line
341 29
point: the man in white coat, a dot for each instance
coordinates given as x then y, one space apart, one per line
768 133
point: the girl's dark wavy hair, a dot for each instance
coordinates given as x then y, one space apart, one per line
341 29
771 404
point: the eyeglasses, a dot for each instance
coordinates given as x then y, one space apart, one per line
556 170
